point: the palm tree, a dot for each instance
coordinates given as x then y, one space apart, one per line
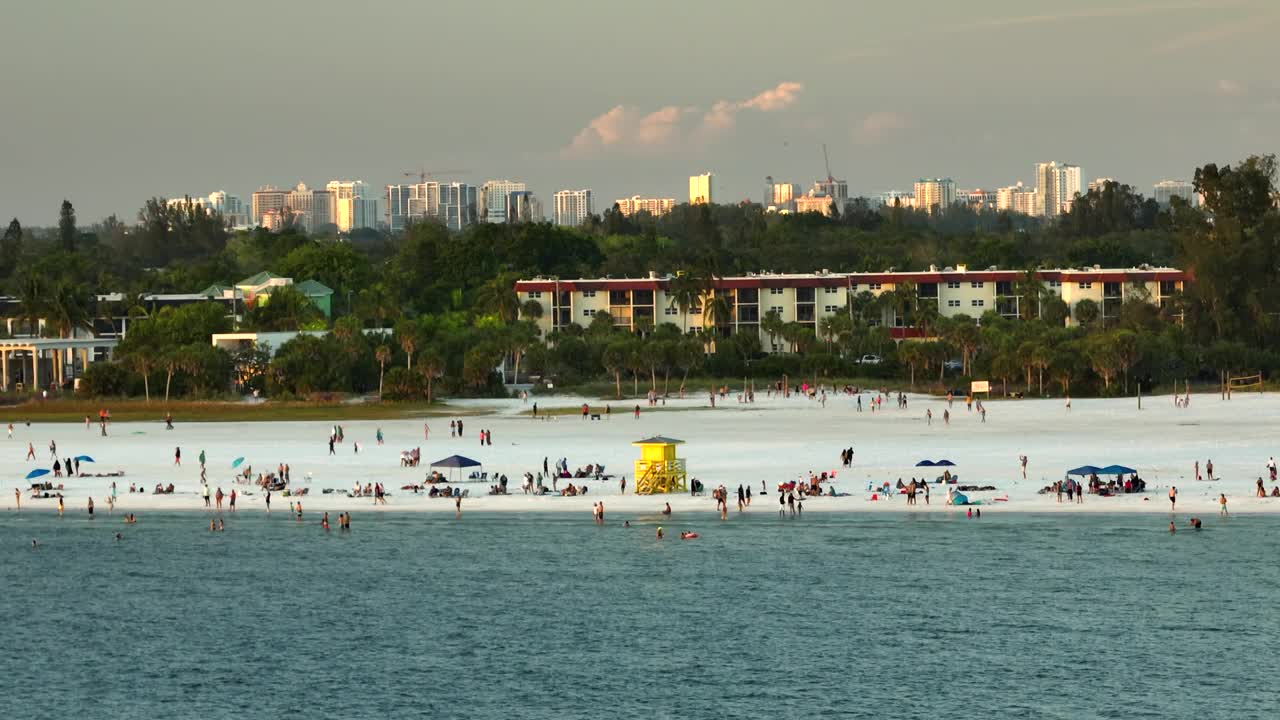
684 292
407 332
719 312
688 354
430 367
499 297
531 310
772 324
518 339
911 354
1031 292
142 363
383 354
614 359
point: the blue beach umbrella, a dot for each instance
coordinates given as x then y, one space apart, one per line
83 458
37 473
1117 470
236 463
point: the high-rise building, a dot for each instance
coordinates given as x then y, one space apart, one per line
457 203
354 208
311 209
493 199
231 207
1057 184
1016 199
264 199
702 189
779 196
397 207
896 198
523 207
572 207
935 195
654 206
1167 190
814 202
837 190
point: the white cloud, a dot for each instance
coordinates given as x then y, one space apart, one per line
629 128
875 127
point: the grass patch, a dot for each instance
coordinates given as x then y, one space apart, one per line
213 411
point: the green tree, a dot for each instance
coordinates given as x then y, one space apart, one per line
1087 312
382 354
67 227
430 366
10 248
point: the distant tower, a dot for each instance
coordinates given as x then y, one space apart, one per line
768 190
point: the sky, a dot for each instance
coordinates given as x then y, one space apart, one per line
110 103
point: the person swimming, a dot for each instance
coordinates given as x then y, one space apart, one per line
1172 528
667 509
659 533
687 535
1195 523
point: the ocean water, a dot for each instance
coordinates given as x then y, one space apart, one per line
550 616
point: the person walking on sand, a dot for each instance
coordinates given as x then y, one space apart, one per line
1173 498
946 417
177 456
53 450
1197 471
1222 503
1022 460
218 498
233 499
10 431
1068 404
31 451
1208 468
426 433
453 428
379 436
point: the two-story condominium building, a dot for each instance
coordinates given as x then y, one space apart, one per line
808 298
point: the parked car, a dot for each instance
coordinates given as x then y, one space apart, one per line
870 360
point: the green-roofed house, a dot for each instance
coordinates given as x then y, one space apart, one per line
257 287
319 294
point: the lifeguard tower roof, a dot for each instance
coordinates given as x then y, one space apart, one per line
659 440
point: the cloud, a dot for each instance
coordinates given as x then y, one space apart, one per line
626 126
630 128
1230 88
875 127
1219 33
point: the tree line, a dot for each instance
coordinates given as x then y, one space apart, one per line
428 310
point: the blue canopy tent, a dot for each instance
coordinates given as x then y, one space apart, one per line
456 462
926 463
945 463
1085 470
1117 470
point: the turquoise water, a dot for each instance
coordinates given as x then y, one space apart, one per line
549 616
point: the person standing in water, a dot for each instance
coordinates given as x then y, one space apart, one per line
1222 503
17 498
91 507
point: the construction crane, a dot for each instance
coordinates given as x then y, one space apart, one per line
422 174
827 161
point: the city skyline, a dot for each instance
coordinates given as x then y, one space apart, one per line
88 129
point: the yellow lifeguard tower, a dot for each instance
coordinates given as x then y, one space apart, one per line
659 470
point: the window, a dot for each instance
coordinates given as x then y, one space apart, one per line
953 303
873 286
776 309
1084 285
535 294
588 293
977 284
953 285
832 308
976 303
670 311
588 312
775 291
831 290
1055 284
805 295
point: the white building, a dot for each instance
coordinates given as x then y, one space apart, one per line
779 196
1167 190
813 202
354 208
457 204
837 190
1100 183
654 206
1057 184
265 199
572 207
935 194
311 209
702 189
396 207
1016 199
493 199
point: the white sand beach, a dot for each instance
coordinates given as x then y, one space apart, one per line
772 440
